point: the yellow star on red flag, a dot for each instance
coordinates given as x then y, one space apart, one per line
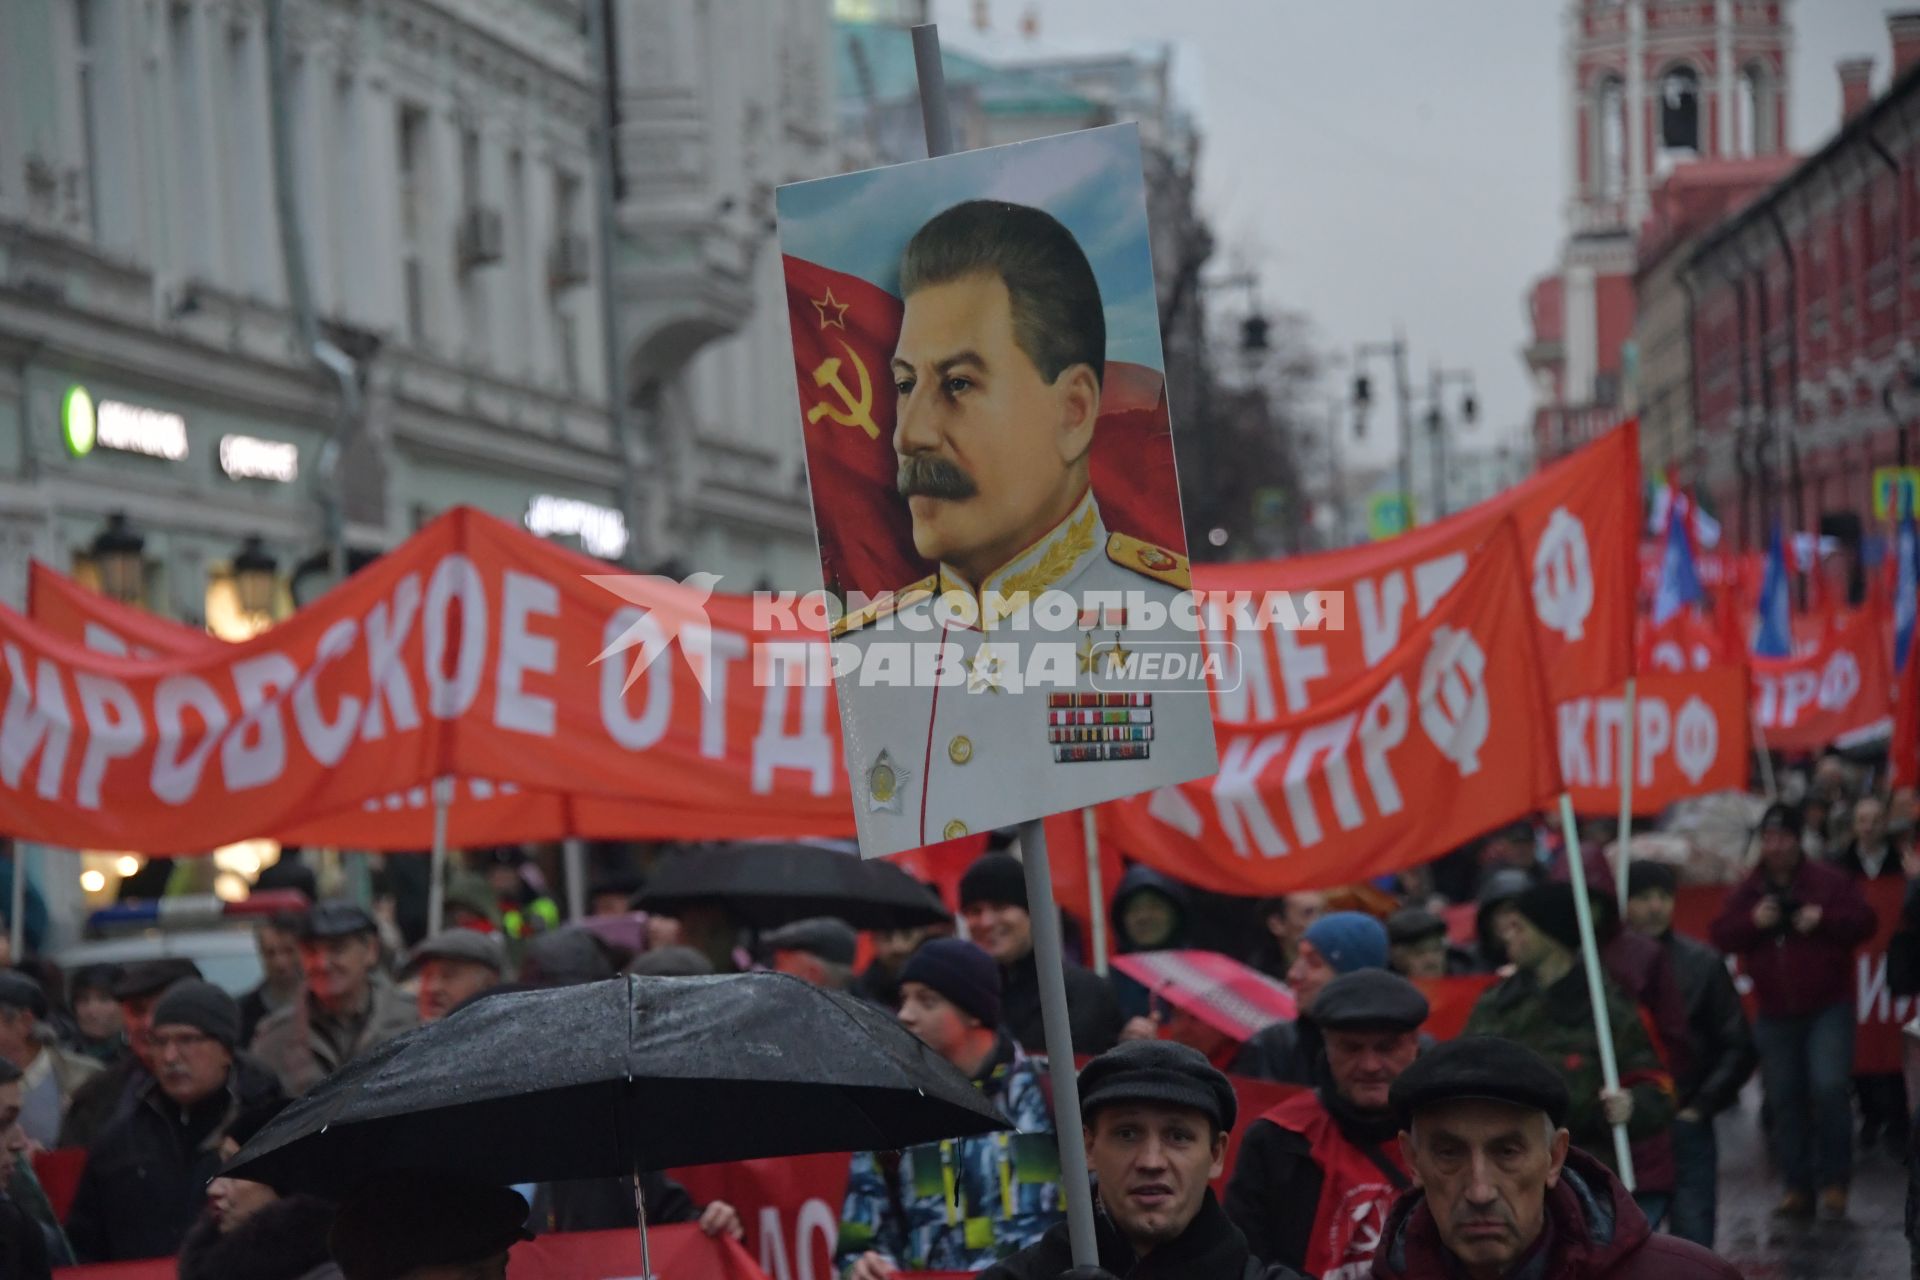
829 303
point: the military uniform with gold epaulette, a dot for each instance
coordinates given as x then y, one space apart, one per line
935 761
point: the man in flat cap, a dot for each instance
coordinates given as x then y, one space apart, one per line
111 1093
1417 946
453 966
1317 1173
427 1226
146 1178
1795 924
51 1074
350 1005
1336 943
820 950
1546 1006
1500 1192
1156 1116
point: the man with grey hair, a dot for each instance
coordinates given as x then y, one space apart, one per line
1501 1192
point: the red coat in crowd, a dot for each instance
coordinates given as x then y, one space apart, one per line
1795 974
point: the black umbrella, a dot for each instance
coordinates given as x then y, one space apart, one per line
767 885
606 1078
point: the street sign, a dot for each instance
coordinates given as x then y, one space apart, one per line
1893 487
1388 514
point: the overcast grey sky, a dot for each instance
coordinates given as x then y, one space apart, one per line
1383 161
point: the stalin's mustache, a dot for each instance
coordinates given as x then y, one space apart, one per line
927 475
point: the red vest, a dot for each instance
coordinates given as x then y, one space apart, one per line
1354 1194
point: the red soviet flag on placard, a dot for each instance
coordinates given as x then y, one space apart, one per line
1446 734
844 332
1691 737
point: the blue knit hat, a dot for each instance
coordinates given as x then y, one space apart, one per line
1349 940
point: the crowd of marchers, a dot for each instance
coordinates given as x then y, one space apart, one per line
1490 1154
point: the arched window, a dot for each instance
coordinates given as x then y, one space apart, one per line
1680 111
1610 138
1754 113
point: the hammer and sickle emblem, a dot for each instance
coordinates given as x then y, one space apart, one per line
854 411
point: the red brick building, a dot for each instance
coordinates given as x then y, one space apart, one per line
1652 86
1803 309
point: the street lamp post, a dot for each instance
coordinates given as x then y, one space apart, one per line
1396 350
1437 380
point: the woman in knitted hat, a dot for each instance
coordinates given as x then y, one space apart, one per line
249 1231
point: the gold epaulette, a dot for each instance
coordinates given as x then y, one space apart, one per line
1155 562
887 603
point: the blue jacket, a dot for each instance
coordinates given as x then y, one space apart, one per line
961 1204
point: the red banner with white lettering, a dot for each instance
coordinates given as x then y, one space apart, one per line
469 653
1690 738
1441 735
1837 693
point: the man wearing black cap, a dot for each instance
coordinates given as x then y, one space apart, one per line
1317 1173
1156 1117
1500 1192
1417 946
111 1094
1721 1053
1795 924
956 1206
50 1074
993 902
146 1177
1546 1006
350 1006
454 966
820 950
427 1226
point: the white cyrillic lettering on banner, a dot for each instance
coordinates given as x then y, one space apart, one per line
454 578
521 651
635 733
1329 740
255 750
326 740
1236 795
115 729
387 681
1299 663
711 654
810 749
176 779
1653 737
37 720
1383 726
1381 606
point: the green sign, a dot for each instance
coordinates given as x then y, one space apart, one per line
1388 515
76 421
1894 489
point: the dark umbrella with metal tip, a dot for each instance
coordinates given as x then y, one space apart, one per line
612 1077
767 885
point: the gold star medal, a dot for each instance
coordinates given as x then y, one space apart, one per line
885 781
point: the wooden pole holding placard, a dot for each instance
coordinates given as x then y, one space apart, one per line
1596 985
1627 722
1074 1182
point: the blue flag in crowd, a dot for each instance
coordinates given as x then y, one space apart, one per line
1906 584
1679 579
1774 639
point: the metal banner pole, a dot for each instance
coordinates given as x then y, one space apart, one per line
1096 891
1053 1013
573 858
1627 723
17 908
1596 987
437 872
1074 1182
